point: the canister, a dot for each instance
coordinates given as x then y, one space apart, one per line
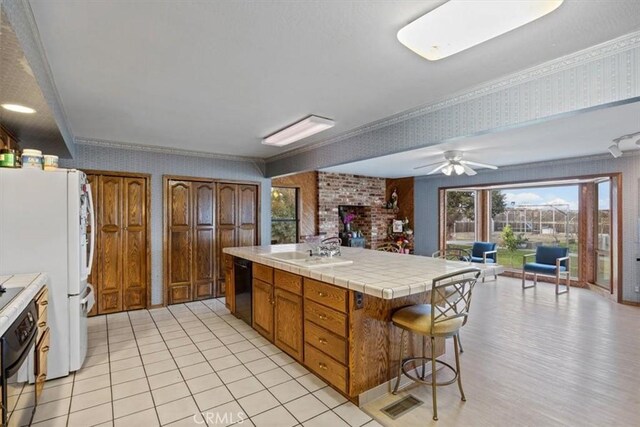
7 158
31 159
50 162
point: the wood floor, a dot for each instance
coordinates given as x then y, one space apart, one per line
536 359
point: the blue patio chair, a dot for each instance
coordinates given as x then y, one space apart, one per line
549 261
484 253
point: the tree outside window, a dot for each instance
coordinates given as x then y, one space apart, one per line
284 215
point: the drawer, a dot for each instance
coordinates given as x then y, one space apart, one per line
288 281
325 294
327 318
42 353
262 272
42 300
329 343
42 323
333 372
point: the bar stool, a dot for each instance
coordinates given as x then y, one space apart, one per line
443 318
455 254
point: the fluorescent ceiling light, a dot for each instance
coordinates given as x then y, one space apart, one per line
18 108
300 130
460 24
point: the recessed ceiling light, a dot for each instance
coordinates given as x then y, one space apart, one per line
299 130
460 24
18 108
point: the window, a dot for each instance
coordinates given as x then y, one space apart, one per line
460 218
524 218
603 235
284 215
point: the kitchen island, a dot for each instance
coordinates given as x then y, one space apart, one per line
334 316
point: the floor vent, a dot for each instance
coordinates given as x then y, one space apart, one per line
401 407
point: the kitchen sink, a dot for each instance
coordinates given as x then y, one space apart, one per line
302 259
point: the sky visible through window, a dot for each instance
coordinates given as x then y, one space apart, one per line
553 195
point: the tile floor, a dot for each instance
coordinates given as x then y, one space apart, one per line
187 364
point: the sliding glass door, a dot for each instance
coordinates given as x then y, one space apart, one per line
603 235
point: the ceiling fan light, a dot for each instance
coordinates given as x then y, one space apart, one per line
447 169
459 170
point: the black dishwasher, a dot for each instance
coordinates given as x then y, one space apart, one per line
243 286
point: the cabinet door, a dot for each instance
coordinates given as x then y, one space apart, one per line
94 276
263 308
179 255
288 323
226 222
110 236
134 250
226 201
203 240
247 215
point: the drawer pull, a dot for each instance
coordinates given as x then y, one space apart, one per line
45 349
322 316
42 324
322 366
322 294
322 341
43 303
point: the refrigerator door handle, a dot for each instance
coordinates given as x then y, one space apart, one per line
88 300
93 230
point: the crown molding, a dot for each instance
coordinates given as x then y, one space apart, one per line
164 150
585 56
24 25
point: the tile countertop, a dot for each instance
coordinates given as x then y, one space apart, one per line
380 274
32 282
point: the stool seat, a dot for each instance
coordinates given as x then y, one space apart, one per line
417 318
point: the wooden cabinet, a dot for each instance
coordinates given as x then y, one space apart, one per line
189 231
237 220
288 323
277 308
263 308
121 264
42 342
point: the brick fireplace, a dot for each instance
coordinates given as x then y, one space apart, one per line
363 195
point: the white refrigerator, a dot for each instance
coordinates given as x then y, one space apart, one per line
44 219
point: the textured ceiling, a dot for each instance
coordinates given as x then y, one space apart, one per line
574 135
18 86
218 76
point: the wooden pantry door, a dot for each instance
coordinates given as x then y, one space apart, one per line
121 269
189 239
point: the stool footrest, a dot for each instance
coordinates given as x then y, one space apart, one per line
428 359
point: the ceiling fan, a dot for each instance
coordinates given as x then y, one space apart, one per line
453 163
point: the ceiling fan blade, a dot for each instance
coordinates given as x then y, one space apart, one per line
480 165
426 166
467 169
443 165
